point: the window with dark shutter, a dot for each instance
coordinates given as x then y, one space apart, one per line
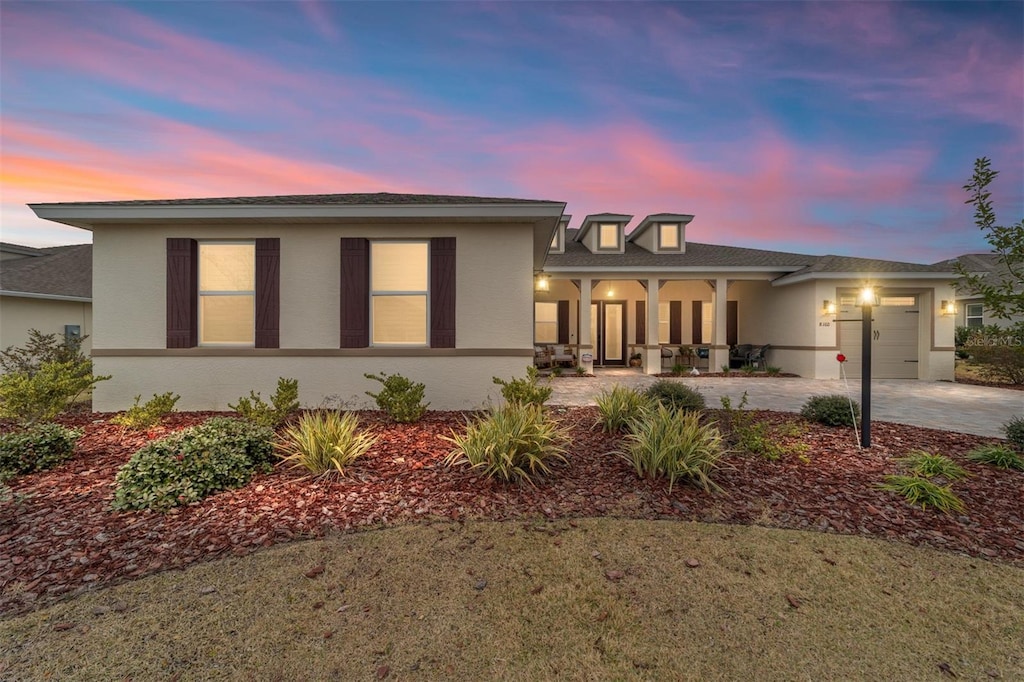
731 323
268 293
355 292
182 293
641 323
697 324
442 292
675 322
563 322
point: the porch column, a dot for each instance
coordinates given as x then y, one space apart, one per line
652 350
719 347
586 344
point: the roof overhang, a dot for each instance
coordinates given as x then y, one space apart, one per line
50 297
871 276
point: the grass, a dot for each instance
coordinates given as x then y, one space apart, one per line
595 599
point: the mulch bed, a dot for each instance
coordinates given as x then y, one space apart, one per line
62 538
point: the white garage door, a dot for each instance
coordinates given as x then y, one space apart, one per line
895 328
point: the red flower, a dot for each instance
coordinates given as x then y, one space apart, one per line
841 358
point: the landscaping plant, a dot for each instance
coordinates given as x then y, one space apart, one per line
41 349
675 395
144 416
401 398
620 407
998 456
1014 430
514 442
324 443
188 465
524 391
283 404
998 352
674 445
927 465
36 448
831 410
921 491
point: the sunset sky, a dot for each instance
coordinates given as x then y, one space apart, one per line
833 127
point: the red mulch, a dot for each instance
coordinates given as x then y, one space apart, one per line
62 538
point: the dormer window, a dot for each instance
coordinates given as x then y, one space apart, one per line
608 237
556 242
668 237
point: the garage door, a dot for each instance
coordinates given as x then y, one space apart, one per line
895 328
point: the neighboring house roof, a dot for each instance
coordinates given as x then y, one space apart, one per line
19 250
986 265
63 272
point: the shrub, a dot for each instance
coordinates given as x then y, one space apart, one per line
675 395
401 398
556 371
831 410
324 443
751 436
1014 430
36 448
524 391
283 404
188 465
581 371
998 352
726 369
748 369
921 491
997 455
674 445
144 416
514 442
620 407
927 465
41 349
772 371
31 397
678 369
960 336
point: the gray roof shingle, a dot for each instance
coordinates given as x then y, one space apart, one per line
377 198
63 271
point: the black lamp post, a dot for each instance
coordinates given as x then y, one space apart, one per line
867 299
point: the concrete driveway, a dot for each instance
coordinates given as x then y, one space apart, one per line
933 404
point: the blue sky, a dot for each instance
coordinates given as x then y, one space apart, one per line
835 127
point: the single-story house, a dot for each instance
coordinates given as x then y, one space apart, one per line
213 297
48 289
970 307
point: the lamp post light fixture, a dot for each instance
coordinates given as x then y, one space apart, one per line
868 298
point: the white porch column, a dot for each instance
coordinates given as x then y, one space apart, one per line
652 350
585 342
719 347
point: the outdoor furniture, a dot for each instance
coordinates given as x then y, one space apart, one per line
739 355
667 354
759 356
562 355
541 356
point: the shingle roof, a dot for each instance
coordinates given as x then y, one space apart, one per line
63 271
697 255
832 263
378 198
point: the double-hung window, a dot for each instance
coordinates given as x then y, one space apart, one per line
399 292
973 312
545 323
227 293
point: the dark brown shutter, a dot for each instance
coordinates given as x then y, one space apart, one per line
442 292
563 322
641 323
182 293
355 292
697 333
731 323
675 321
268 293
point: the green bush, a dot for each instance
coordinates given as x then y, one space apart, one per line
831 410
188 465
283 404
401 398
620 407
927 465
675 445
997 455
772 370
31 397
960 336
324 443
41 349
39 447
141 417
998 353
514 442
524 391
921 491
678 369
748 369
1014 430
675 395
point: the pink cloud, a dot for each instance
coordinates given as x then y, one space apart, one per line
318 13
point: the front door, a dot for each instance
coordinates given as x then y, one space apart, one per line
608 332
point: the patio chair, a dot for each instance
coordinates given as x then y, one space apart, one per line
740 355
562 355
759 357
667 354
541 357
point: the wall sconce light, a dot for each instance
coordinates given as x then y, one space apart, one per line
868 296
542 282
828 307
948 308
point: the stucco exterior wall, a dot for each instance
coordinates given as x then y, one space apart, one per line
494 302
18 315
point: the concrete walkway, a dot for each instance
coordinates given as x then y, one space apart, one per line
933 404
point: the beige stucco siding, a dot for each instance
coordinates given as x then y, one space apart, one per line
494 304
18 315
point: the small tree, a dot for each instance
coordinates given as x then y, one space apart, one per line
1003 291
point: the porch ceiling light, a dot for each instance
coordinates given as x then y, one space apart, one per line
542 282
828 307
948 308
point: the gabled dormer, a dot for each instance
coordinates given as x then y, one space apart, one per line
558 238
604 232
662 233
